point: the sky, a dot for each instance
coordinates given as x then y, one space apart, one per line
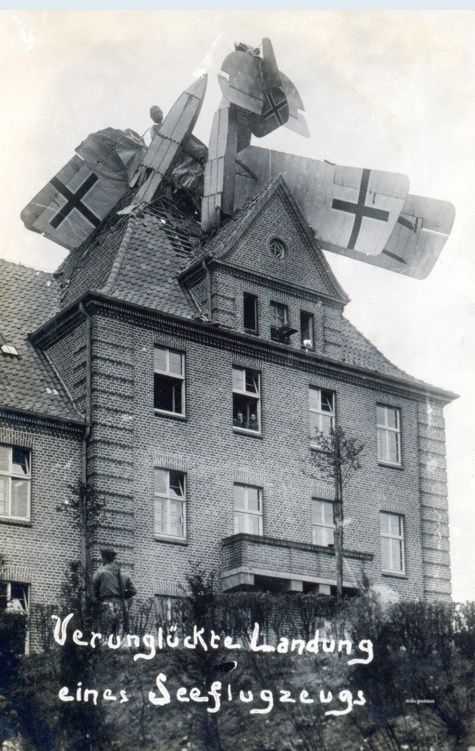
388 90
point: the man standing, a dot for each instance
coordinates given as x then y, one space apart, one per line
112 589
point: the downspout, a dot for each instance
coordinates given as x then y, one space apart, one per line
84 465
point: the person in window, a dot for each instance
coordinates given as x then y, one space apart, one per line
112 589
252 423
238 421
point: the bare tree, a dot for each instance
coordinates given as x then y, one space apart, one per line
337 457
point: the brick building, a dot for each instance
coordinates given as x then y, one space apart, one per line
186 379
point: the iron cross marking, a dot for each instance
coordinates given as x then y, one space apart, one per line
74 201
275 102
359 209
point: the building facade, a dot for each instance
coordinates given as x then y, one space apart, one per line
187 379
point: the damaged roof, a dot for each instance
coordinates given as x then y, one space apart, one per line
27 382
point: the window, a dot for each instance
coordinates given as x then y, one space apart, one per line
306 330
392 543
14 596
248 509
277 249
250 313
279 321
389 434
170 506
246 400
323 524
321 412
15 478
169 381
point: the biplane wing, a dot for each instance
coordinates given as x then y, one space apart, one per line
174 132
417 239
241 81
73 203
348 207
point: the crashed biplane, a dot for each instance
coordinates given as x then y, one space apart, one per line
360 213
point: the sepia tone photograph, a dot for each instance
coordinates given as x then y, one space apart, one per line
237 421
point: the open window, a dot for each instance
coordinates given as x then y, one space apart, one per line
307 335
250 313
169 381
321 413
246 400
280 330
170 503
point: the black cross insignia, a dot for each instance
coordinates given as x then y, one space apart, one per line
275 101
74 201
360 210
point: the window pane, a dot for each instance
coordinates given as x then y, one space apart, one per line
381 415
20 498
327 401
161 481
160 520
160 359
392 417
327 512
20 461
168 394
250 312
327 424
175 366
392 443
19 595
253 499
306 327
239 522
314 421
397 555
385 524
252 381
4 482
4 458
239 497
382 445
395 525
177 484
176 519
317 512
314 398
386 553
238 379
253 524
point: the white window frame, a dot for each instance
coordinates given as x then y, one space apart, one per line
245 511
385 429
320 412
11 475
391 537
255 396
321 524
168 498
169 374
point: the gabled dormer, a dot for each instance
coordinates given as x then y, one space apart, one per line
263 274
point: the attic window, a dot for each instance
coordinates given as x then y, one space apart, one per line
277 248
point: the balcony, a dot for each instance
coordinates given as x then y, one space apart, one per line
247 557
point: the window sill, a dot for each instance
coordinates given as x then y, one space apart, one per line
395 574
172 540
250 433
15 522
170 415
389 465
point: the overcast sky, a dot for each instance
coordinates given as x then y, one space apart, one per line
391 90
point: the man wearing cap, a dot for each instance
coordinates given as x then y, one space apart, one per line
112 588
